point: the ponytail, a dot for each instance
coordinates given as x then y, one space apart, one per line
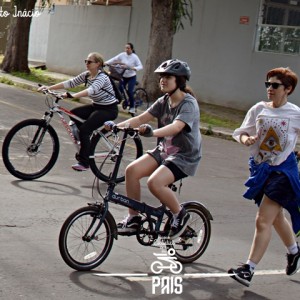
131 46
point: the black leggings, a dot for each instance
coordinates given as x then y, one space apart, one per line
95 116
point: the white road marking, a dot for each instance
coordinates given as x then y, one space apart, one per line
122 275
148 277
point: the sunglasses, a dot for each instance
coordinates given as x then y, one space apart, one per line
89 62
275 85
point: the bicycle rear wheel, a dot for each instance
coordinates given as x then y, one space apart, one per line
77 248
194 240
104 154
30 149
141 99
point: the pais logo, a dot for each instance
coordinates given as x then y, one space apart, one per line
166 260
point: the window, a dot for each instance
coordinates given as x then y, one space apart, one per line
279 27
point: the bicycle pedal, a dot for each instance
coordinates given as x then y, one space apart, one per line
184 245
127 233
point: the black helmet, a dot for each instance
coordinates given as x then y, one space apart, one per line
175 67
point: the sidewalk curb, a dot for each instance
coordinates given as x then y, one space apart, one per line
32 86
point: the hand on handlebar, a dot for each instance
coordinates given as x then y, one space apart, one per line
66 95
42 88
108 125
146 130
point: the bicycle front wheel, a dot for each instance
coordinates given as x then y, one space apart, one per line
77 247
30 149
194 240
104 154
141 99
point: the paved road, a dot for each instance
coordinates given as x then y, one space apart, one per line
32 213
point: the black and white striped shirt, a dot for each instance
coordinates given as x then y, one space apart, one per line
99 88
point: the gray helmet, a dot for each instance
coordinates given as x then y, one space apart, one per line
175 67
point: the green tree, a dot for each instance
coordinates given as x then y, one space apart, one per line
167 19
16 51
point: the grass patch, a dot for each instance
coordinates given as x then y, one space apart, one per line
6 80
218 121
40 76
213 115
36 75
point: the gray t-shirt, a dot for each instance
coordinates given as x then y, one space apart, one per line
183 149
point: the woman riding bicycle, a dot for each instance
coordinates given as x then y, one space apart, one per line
104 104
178 152
131 61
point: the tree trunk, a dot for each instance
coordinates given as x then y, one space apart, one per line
160 44
16 52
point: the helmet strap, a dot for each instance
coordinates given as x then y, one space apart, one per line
172 92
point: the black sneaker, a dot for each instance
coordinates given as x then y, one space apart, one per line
129 225
179 224
293 263
242 274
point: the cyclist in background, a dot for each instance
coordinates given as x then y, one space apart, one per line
270 129
104 104
178 152
131 61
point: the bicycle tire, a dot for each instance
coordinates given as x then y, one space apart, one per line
81 254
26 160
124 104
103 156
141 99
195 239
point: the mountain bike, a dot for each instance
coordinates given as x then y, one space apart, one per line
141 98
30 149
87 235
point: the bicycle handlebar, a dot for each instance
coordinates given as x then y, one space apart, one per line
55 94
118 66
117 128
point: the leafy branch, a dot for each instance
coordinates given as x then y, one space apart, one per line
182 9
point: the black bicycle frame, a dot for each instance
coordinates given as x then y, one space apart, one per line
123 200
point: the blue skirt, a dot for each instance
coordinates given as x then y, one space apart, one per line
278 188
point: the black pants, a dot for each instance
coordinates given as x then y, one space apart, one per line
95 116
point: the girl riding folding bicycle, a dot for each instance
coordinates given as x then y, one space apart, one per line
178 152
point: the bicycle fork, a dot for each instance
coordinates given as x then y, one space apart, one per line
87 237
103 213
38 138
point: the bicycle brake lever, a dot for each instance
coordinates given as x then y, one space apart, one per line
115 129
69 95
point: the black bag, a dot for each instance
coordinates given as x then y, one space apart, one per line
116 72
118 94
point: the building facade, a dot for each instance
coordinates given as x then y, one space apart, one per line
230 45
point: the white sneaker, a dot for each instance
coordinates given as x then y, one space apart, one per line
131 110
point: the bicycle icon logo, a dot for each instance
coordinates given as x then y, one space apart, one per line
173 265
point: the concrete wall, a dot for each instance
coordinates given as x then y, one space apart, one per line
76 31
221 51
38 38
226 70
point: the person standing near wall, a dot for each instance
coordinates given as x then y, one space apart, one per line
128 59
270 130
